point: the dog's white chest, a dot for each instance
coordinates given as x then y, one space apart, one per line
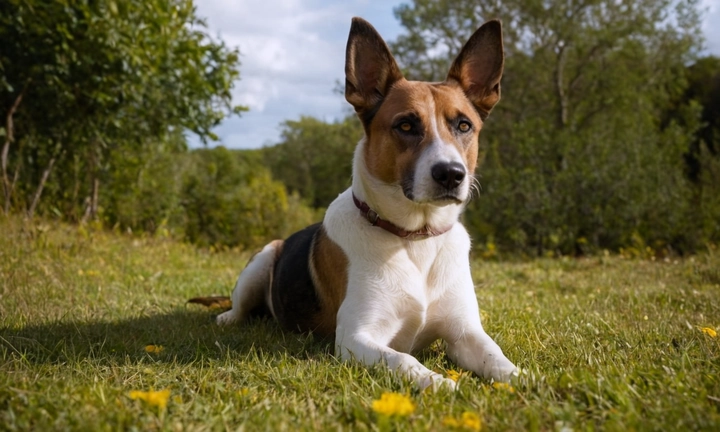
414 285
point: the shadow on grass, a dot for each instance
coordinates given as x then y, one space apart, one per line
186 336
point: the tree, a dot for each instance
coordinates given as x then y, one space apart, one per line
314 158
698 108
230 199
80 80
576 154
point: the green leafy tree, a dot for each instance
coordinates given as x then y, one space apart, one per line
144 188
577 157
698 108
230 199
81 80
314 157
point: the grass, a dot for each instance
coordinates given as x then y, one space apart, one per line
606 343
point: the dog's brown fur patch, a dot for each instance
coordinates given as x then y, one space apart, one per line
328 267
391 155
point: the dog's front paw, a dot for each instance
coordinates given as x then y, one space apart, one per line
503 370
436 382
226 318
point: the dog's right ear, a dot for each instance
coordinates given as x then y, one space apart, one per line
370 69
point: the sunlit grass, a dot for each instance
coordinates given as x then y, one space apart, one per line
87 318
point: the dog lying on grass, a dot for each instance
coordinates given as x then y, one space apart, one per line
387 272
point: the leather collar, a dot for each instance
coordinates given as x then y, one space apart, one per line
375 220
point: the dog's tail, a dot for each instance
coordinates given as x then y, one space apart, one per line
220 303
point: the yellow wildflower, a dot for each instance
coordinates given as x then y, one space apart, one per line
154 349
468 420
154 398
471 421
709 331
393 404
453 374
503 386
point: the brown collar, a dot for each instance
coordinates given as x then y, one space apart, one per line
375 220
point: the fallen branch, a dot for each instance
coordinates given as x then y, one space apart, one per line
41 185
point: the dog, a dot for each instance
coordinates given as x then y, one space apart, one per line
387 272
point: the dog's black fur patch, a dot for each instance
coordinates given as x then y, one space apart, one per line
294 299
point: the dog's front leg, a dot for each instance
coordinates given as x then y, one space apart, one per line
380 319
364 348
476 351
467 343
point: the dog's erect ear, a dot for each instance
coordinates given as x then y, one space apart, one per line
370 69
479 67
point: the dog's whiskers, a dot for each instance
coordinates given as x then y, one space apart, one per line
475 187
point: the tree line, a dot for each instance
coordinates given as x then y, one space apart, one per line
97 97
606 137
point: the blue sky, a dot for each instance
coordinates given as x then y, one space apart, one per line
293 53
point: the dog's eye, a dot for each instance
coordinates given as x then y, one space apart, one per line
464 126
408 126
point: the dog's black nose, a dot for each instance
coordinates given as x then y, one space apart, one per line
448 174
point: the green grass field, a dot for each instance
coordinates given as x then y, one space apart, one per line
606 344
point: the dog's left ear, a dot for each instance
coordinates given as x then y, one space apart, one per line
479 67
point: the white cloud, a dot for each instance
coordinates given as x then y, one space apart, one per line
292 52
711 26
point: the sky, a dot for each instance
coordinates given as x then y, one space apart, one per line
292 54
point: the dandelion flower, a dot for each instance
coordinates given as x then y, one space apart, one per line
709 331
468 420
453 374
154 349
154 398
503 386
391 404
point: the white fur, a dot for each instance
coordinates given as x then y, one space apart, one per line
402 295
253 286
424 185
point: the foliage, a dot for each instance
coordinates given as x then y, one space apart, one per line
230 199
606 343
101 94
606 137
314 158
577 155
91 79
211 197
701 100
143 190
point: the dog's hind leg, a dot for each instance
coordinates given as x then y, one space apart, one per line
253 285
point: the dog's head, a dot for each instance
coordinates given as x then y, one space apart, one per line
423 136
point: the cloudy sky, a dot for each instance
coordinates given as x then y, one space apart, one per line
292 54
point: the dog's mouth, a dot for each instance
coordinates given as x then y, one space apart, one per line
444 200
449 199
440 197
440 200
